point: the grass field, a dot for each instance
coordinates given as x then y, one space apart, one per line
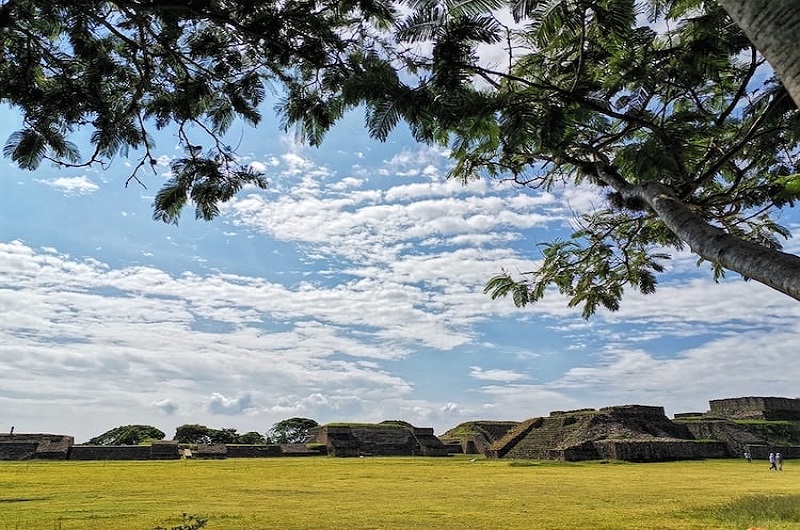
401 493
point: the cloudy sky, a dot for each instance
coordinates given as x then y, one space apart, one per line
350 290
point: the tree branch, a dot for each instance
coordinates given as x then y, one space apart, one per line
776 269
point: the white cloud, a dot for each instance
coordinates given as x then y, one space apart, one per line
219 404
71 186
494 374
449 407
391 271
257 166
167 406
347 183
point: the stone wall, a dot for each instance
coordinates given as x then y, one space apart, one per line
635 411
456 447
164 450
39 446
579 452
389 440
338 439
253 451
761 452
17 450
758 438
659 450
736 437
385 441
109 452
380 439
303 450
755 407
427 442
172 450
210 451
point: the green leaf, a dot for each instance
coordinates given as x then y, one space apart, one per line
26 147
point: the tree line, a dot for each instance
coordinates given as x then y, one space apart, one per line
290 430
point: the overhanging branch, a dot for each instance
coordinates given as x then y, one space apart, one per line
776 269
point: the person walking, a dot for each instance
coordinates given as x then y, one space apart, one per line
748 457
772 462
779 461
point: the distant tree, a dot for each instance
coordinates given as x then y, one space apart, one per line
128 435
291 430
201 434
223 436
251 437
193 434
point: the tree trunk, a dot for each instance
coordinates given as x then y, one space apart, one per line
773 268
773 26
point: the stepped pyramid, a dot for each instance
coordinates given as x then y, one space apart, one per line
388 438
630 432
475 437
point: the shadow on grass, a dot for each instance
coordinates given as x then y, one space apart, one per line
25 499
755 510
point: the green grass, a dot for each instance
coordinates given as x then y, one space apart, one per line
397 493
772 510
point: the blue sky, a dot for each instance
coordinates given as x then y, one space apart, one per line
350 290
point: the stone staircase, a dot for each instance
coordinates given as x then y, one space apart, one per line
476 437
545 439
590 434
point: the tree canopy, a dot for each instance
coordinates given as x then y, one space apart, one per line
666 107
128 435
687 137
193 433
291 430
251 437
121 69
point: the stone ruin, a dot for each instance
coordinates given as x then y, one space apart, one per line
475 437
756 408
635 433
638 433
38 446
759 425
389 438
59 447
